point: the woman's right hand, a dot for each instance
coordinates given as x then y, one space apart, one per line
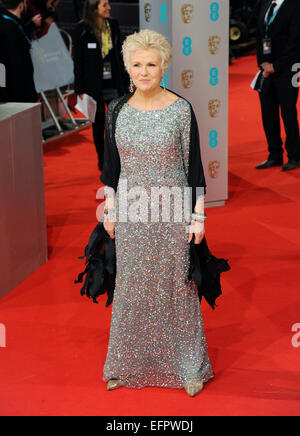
37 19
110 228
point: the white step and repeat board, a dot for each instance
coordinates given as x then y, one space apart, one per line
199 33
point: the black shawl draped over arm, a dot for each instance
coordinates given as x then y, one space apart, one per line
205 269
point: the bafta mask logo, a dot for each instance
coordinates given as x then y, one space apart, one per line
187 12
187 77
214 44
213 168
148 12
214 107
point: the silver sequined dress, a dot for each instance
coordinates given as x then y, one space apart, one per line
157 336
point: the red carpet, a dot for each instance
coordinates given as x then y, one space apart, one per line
56 340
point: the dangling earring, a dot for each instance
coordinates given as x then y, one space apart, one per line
132 87
163 82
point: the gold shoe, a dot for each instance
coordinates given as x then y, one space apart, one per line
114 384
193 387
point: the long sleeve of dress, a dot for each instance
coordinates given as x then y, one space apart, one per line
185 139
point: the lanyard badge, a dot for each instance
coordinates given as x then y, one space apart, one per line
267 46
107 74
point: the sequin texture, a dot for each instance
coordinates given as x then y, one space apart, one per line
157 336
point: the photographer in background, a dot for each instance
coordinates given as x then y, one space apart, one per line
15 54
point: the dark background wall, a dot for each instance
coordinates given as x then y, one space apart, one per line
126 12
242 20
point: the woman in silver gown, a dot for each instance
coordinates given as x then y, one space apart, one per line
157 336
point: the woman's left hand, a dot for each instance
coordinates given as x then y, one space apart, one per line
197 229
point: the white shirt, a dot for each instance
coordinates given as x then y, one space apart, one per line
279 3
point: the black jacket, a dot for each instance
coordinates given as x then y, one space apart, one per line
15 56
88 63
285 35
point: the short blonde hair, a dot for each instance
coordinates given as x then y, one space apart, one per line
144 40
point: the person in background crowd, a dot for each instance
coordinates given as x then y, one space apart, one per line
278 38
40 14
15 54
98 65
